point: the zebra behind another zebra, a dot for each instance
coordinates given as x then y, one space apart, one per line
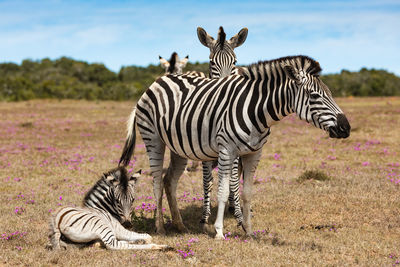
222 57
204 119
222 63
106 207
176 66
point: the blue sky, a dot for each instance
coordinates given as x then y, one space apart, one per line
339 34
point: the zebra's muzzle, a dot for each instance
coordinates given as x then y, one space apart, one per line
127 224
342 128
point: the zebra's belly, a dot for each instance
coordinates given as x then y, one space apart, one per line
79 236
197 155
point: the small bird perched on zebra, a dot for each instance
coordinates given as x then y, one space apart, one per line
106 207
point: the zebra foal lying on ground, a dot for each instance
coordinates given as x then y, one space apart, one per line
207 119
106 207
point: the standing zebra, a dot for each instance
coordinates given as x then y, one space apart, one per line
222 56
106 207
222 64
206 119
174 65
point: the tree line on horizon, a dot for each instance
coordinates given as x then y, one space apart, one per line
66 78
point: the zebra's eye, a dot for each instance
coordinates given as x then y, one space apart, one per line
314 96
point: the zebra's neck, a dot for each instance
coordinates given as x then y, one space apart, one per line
277 91
99 198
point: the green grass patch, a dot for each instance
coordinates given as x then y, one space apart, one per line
313 175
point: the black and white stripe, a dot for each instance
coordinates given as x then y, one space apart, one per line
106 207
206 119
222 64
222 57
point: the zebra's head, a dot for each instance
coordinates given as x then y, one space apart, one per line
222 57
175 65
122 191
313 101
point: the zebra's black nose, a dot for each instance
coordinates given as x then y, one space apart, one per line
342 128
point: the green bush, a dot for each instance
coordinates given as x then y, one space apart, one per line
66 78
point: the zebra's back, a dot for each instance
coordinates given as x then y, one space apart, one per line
81 225
188 112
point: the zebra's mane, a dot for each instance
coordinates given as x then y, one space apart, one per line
172 62
221 37
119 173
305 63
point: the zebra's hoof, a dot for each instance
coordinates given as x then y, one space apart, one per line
219 237
162 247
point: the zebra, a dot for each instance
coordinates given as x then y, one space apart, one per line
106 207
222 63
175 65
206 119
222 57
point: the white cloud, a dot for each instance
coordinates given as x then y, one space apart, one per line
340 34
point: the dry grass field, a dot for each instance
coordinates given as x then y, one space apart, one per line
345 212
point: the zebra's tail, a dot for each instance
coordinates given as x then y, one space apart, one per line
54 234
129 146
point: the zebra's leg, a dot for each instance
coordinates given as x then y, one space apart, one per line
126 235
112 243
250 162
54 234
176 168
121 245
155 151
207 187
225 162
234 196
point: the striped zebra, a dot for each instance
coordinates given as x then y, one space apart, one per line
222 63
106 207
176 66
222 57
206 119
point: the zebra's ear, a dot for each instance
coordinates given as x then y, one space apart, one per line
184 61
291 73
164 63
135 176
204 37
110 178
238 39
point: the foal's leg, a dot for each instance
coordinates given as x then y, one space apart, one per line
123 234
225 161
176 168
207 187
234 196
